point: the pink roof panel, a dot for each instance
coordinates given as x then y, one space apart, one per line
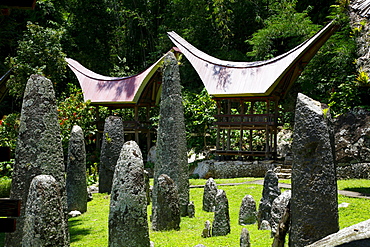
233 79
102 90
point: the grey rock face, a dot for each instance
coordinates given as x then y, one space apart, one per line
206 233
39 148
278 208
44 220
248 211
221 222
270 191
265 225
166 215
245 238
352 137
314 205
209 195
113 139
128 224
171 152
357 235
76 172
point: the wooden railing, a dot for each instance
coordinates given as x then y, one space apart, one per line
9 208
248 119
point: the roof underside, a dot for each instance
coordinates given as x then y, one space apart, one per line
117 92
273 77
362 7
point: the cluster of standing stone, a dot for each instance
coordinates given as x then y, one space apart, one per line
39 152
171 153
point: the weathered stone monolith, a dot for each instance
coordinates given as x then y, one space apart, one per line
270 191
44 219
171 152
76 172
314 205
39 148
166 216
221 222
206 233
245 238
248 211
191 210
113 139
209 195
128 224
278 209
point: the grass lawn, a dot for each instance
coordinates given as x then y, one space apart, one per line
91 229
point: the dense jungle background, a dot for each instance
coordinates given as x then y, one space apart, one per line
124 37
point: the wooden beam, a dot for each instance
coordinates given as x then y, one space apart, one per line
10 207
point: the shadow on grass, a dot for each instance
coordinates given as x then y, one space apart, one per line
362 190
76 230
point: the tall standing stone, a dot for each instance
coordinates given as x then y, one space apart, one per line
167 214
278 209
113 140
248 211
209 195
171 152
221 222
270 191
128 224
76 172
44 220
314 205
39 148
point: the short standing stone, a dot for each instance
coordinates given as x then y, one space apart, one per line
314 204
166 216
245 238
248 211
171 151
265 225
278 209
44 220
209 195
270 191
221 223
128 224
76 172
191 210
39 148
206 233
113 139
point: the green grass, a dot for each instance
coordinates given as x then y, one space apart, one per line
91 228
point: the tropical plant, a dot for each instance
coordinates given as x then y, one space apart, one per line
9 127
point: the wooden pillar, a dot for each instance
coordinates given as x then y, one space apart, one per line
148 137
241 102
228 118
218 126
251 130
136 109
98 133
267 149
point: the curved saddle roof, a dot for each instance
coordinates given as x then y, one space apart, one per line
263 78
141 89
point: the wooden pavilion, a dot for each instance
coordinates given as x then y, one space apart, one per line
138 92
248 93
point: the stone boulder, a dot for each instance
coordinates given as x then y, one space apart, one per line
166 214
248 211
270 191
76 186
314 201
221 222
209 195
113 140
44 219
128 224
278 209
245 240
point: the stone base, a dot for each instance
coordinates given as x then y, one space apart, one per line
233 169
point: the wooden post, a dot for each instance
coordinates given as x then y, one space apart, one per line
98 133
148 137
136 109
251 130
218 126
228 130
